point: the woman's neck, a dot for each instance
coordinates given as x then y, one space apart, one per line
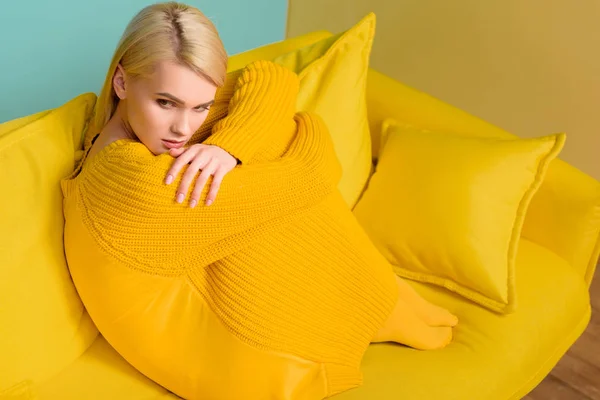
118 127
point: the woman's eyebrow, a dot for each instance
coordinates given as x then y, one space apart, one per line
176 100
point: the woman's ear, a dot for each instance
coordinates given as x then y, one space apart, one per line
119 82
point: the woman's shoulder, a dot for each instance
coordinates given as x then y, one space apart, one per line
118 162
107 151
119 152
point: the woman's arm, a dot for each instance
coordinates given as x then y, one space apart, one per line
124 196
246 114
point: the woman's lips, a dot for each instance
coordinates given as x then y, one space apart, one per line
172 145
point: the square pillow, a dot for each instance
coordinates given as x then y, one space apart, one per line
333 78
448 209
44 326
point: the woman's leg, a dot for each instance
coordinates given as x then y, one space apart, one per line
405 327
431 314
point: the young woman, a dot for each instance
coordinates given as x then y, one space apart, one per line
272 292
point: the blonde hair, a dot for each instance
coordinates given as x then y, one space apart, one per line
168 31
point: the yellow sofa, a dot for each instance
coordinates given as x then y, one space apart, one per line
492 356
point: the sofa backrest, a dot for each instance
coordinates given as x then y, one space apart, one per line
43 324
566 195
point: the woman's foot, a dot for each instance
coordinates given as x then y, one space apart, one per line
405 327
431 314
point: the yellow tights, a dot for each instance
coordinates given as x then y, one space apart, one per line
415 322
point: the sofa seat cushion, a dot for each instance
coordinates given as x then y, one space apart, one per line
492 357
99 374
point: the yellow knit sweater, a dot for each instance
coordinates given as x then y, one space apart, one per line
272 292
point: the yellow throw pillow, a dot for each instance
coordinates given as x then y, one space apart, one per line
333 78
448 209
43 325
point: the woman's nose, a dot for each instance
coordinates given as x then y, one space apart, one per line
182 126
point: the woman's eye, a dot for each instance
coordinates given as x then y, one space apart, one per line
202 109
164 103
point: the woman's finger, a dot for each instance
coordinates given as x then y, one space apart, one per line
200 162
207 171
214 187
182 159
177 152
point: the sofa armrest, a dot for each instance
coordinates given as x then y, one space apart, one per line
564 215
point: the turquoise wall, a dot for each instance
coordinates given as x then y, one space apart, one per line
51 51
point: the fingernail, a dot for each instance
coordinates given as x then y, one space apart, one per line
169 179
180 197
193 203
208 202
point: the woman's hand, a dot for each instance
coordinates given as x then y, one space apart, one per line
212 160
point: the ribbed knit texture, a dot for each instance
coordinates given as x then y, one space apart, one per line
315 287
278 257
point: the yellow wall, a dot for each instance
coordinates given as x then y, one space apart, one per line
530 67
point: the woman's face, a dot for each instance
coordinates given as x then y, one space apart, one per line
166 108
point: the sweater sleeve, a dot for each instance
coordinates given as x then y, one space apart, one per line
263 103
133 212
220 107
